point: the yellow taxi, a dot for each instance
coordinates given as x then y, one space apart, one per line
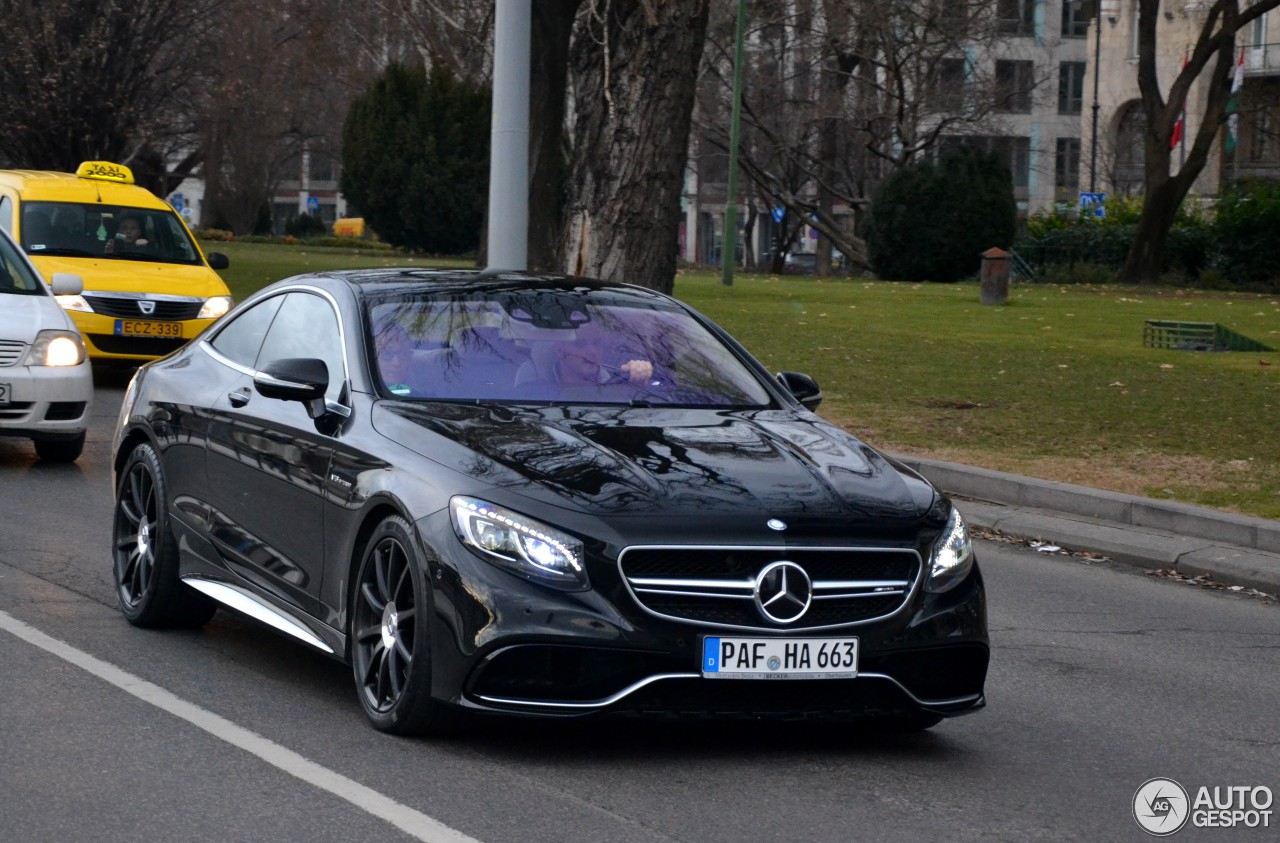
147 286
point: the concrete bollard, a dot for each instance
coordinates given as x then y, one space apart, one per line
994 287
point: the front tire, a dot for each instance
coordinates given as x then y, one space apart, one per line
145 554
391 635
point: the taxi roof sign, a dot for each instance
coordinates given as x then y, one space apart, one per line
105 171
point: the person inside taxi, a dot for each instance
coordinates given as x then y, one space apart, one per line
129 236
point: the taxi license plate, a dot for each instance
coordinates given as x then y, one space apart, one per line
779 658
6 390
139 328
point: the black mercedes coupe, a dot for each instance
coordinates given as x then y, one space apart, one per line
538 495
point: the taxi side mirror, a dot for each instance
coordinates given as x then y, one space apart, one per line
217 260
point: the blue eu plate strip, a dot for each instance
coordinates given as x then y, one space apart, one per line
711 655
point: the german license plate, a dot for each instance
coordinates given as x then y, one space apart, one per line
139 328
779 658
6 390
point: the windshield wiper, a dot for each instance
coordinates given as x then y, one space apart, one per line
68 253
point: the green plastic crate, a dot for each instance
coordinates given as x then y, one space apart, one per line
1196 336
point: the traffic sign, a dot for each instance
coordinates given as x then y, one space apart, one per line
1093 203
313 205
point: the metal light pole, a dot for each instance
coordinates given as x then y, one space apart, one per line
729 252
509 137
1097 73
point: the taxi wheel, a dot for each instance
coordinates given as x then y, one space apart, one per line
59 450
145 553
391 636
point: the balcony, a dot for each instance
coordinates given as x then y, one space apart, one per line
1262 60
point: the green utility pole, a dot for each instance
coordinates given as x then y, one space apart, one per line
729 253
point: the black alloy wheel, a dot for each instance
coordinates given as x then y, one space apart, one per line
145 554
391 635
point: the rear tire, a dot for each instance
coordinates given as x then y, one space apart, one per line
145 554
60 450
391 615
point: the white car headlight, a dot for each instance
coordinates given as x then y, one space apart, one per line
56 348
76 303
519 544
952 555
215 306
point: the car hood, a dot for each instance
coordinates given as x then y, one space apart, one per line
130 276
22 317
677 463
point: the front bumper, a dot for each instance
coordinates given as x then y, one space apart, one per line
46 402
104 343
506 645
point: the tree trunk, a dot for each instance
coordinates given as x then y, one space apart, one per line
635 64
552 28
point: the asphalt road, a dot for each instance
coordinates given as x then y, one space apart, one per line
1101 679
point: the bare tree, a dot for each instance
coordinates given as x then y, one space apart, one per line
839 93
98 79
1213 53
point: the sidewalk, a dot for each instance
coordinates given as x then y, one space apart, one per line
1191 540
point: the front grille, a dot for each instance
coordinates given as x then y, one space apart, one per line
11 352
149 346
716 586
167 311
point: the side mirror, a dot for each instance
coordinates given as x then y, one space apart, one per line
803 388
66 284
217 260
302 379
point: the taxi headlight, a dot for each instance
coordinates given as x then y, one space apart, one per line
952 555
525 547
215 307
76 303
56 348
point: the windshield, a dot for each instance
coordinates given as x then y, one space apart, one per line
114 232
16 277
555 346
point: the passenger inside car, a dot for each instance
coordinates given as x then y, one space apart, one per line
129 236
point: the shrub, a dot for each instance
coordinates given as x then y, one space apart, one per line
932 222
1245 234
305 225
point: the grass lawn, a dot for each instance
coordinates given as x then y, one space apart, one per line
1055 384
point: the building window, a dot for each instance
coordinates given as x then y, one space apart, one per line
1014 83
951 79
1016 17
1263 147
1067 165
1075 18
1070 87
1014 152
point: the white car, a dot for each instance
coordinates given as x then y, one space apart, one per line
46 385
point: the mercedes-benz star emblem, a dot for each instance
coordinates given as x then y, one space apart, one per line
147 307
783 592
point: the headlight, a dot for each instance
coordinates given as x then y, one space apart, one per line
518 543
56 348
76 303
952 555
215 307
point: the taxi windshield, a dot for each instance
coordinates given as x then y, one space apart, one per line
115 232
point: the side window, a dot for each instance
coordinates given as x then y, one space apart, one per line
241 338
6 214
306 326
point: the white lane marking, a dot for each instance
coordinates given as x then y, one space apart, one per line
411 822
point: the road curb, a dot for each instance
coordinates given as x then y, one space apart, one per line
1229 548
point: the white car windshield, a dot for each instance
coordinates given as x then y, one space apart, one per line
16 277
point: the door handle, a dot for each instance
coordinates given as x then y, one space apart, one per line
238 398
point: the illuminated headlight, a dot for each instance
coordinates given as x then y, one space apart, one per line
952 555
76 303
56 348
518 543
215 307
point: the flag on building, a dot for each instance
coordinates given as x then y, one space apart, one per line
1180 126
1233 106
